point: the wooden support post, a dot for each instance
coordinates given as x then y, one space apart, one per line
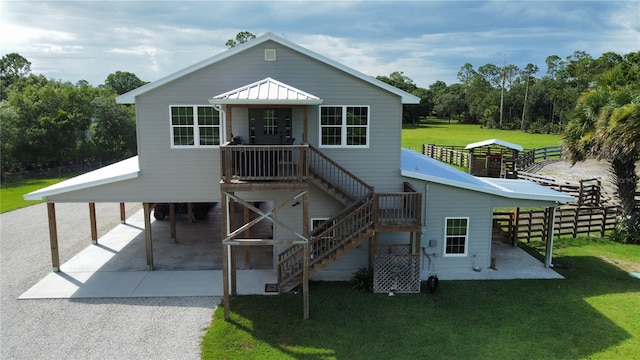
232 249
305 266
172 221
516 224
247 235
123 214
92 221
190 212
225 257
147 235
53 236
234 266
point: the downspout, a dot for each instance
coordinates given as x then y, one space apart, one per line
223 120
423 230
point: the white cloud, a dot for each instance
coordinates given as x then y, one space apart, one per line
428 41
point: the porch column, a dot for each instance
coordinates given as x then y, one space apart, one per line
147 234
53 236
123 217
305 124
550 225
227 113
225 256
92 221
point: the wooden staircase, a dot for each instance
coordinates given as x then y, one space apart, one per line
337 235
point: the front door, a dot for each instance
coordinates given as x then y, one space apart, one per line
270 126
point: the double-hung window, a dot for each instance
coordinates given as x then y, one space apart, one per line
456 236
195 126
344 126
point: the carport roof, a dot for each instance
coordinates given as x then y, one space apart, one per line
123 170
421 167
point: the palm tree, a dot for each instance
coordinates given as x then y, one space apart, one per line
607 125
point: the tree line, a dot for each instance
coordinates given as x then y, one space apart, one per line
509 97
47 123
593 103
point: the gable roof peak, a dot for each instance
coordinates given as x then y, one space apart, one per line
130 97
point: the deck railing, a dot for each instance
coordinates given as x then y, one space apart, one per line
398 210
263 162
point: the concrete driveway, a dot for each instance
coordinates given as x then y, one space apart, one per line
85 328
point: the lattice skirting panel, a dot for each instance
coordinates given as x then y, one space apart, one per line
397 273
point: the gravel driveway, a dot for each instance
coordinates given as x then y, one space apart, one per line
143 328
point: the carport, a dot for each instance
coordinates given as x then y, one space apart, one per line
179 243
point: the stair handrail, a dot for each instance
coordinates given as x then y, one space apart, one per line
324 240
337 175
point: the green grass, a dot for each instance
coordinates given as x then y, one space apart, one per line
11 197
593 313
441 132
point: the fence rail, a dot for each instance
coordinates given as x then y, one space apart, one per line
569 220
458 156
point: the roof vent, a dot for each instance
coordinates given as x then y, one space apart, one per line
270 54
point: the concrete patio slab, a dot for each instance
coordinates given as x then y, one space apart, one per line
116 266
511 263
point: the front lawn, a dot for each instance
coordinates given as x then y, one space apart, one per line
11 194
593 313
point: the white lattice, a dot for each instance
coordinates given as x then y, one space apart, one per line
397 273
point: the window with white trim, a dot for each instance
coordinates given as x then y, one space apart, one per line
195 126
344 126
456 236
315 222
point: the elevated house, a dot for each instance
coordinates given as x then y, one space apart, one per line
272 121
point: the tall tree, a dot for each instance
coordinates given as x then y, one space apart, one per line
113 130
12 67
241 38
121 82
528 71
607 125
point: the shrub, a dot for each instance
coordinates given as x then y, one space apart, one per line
362 280
627 230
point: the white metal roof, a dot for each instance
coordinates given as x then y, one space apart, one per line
494 142
123 170
266 91
421 167
130 97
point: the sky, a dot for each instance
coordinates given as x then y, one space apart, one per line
428 41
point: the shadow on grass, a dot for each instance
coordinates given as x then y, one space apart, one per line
516 319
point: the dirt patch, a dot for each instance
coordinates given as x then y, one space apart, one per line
625 265
562 170
588 169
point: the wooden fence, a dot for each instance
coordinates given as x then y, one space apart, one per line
458 156
528 158
453 155
569 220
